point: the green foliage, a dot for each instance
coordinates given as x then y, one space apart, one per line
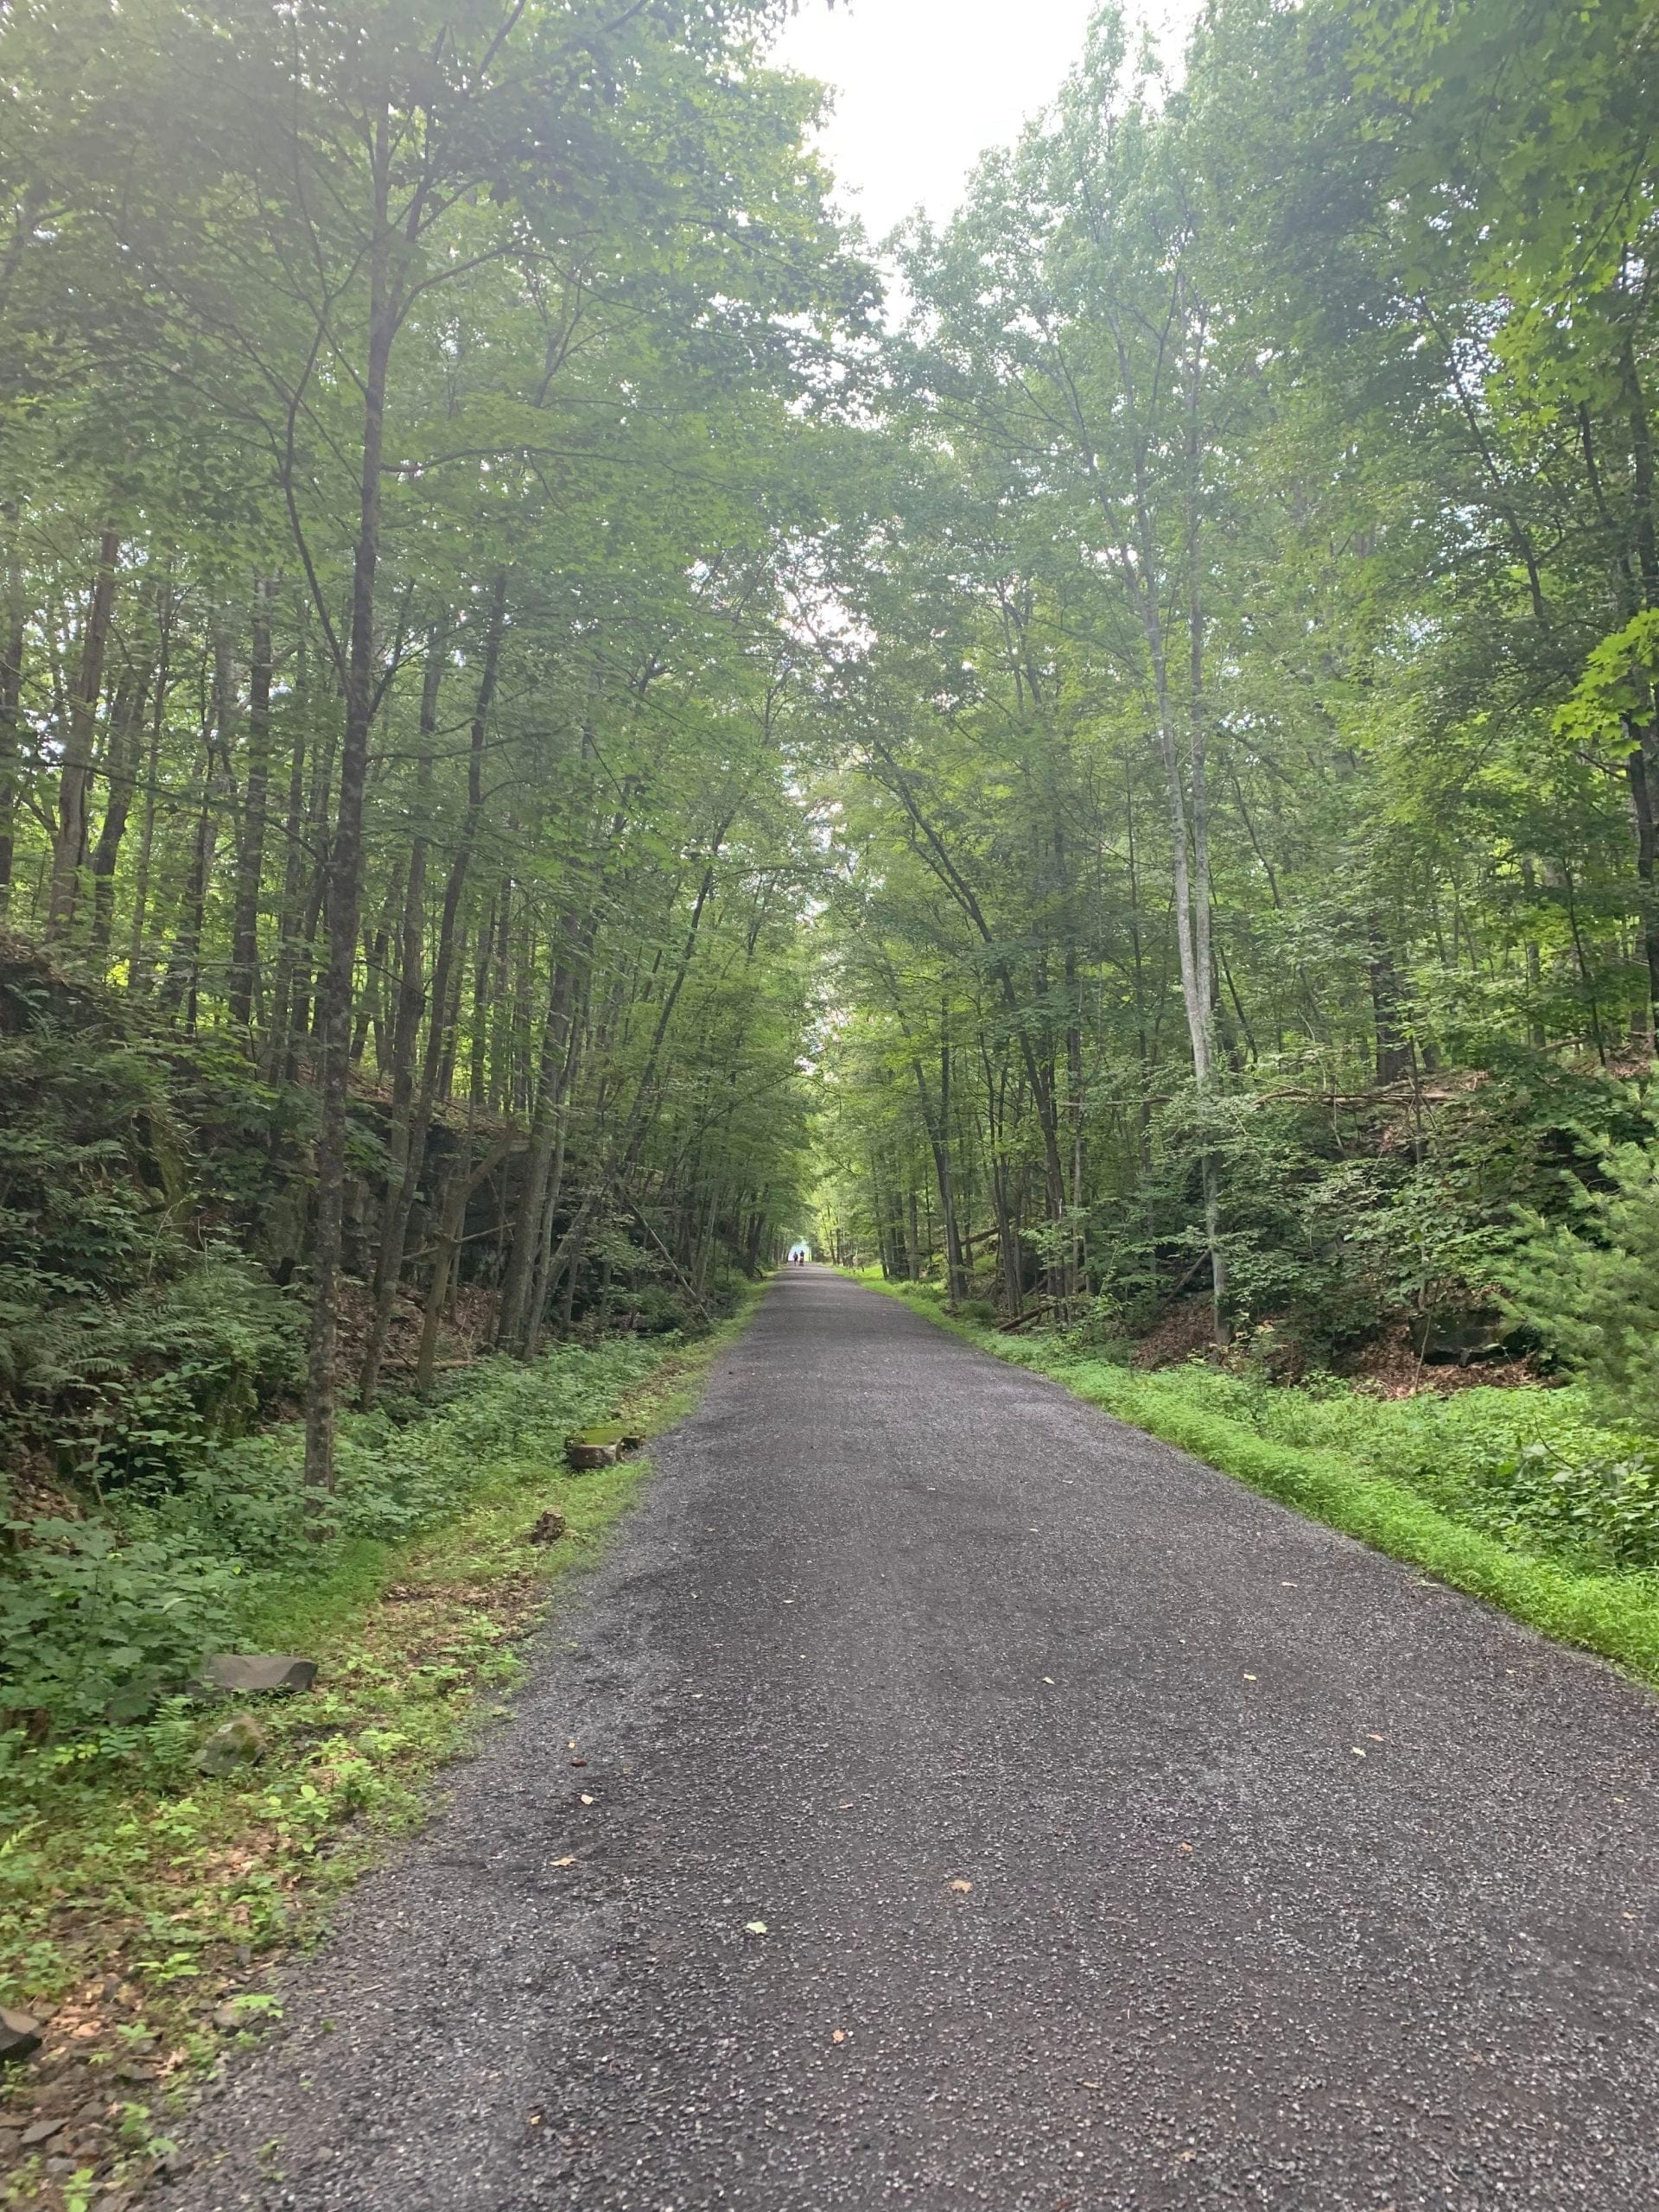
132 1332
136 1393
1247 784
121 1862
1465 1487
1590 1288
1533 1468
100 1618
1602 1503
1334 1222
94 1629
1615 695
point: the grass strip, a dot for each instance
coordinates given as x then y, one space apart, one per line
1614 1615
143 1904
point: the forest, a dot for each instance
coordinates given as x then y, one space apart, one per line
564 722
1248 830
407 434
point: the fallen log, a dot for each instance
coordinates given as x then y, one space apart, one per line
1031 1313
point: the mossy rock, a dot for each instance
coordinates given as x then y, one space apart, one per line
601 1448
240 1742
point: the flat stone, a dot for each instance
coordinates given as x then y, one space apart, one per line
240 1741
584 1453
20 2036
41 2131
249 1674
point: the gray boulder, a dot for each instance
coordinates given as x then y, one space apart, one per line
238 1742
256 1674
20 2036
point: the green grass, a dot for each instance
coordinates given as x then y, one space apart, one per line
137 1896
1466 1488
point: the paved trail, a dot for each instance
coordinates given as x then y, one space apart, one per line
895 1618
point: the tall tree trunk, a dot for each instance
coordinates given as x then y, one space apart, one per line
11 700
1393 1047
1534 965
617 1165
370 1020
440 1027
181 984
139 976
1075 1247
1189 813
411 965
542 1284
452 1223
407 1015
278 1029
1638 774
1642 761
120 777
345 876
547 1124
75 779
521 1311
478 1031
938 1138
251 859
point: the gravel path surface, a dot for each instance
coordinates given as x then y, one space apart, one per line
1295 1882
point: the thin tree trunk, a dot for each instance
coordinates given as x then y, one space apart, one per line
139 976
619 1163
75 779
521 1312
408 1013
121 776
369 1019
1535 966
277 1030
181 984
12 697
345 855
1393 1047
250 861
452 1223
542 1287
488 1043
938 1138
1638 777
547 1125
433 1085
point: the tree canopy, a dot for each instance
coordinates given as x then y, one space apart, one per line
1132 777
1249 743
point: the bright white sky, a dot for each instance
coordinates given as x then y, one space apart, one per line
923 86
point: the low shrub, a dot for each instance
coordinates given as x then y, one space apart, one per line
1543 1473
1590 1288
98 1619
94 1628
1534 1468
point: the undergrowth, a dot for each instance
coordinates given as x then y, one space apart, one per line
1523 1497
100 1617
139 1898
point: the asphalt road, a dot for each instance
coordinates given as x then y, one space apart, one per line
1295 1882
